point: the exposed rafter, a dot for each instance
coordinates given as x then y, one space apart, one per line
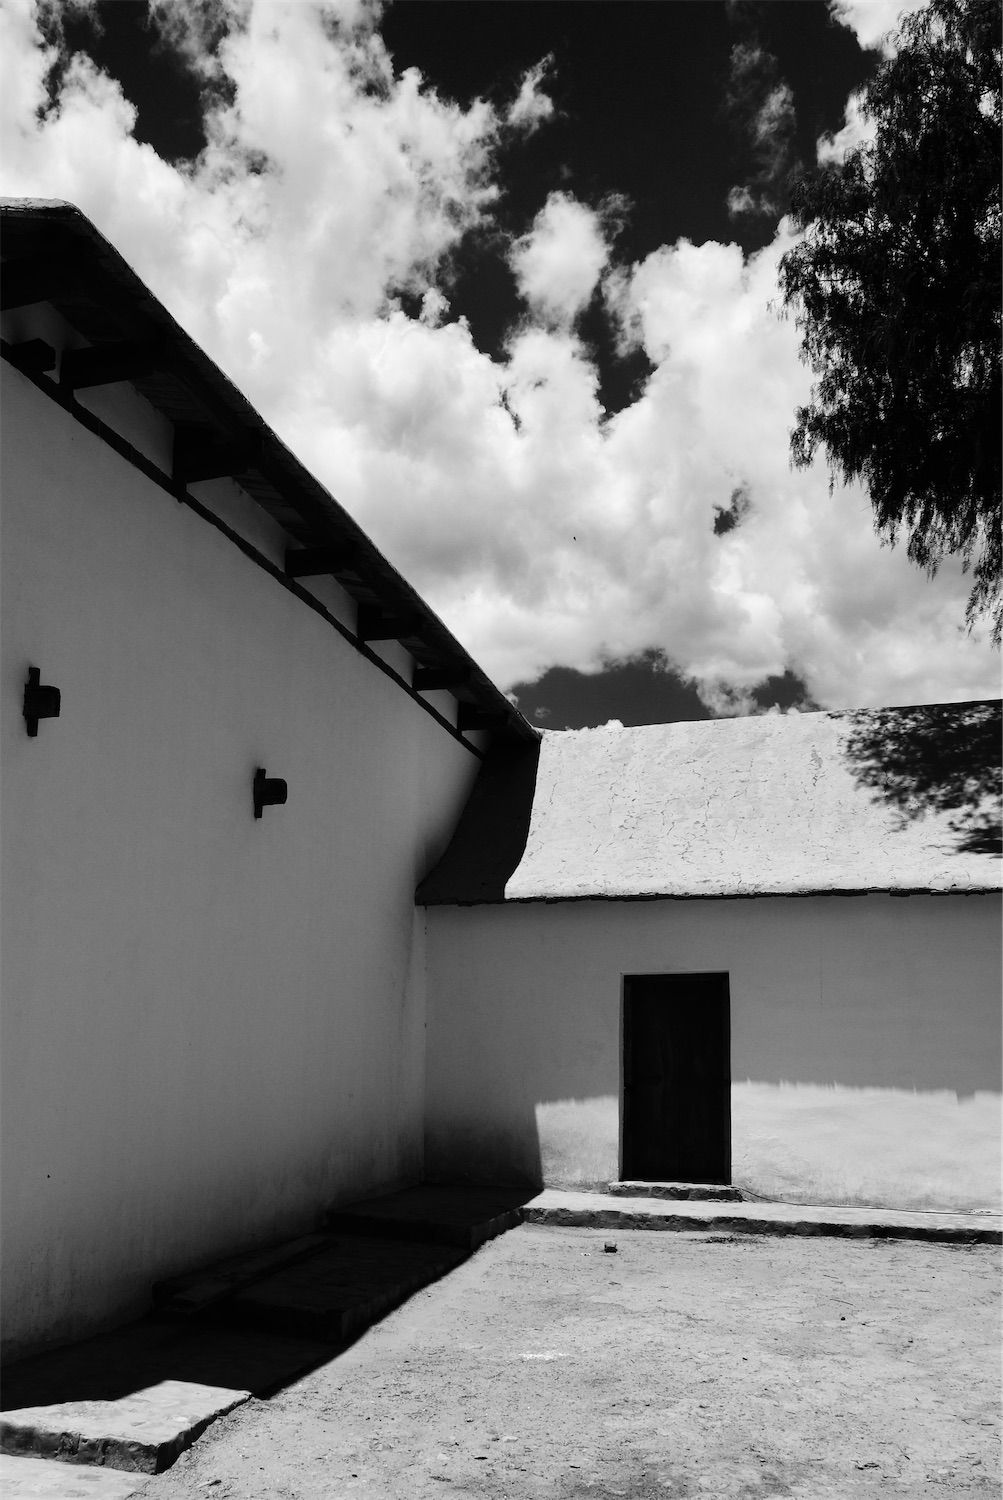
33 354
201 455
106 364
309 562
429 679
375 625
36 278
471 717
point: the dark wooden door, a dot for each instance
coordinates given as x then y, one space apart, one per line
676 1078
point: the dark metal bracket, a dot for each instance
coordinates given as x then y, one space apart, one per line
40 701
269 791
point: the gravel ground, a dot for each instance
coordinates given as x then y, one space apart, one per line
681 1365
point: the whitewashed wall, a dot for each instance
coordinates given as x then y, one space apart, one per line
213 1026
865 1046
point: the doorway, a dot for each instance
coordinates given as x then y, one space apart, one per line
676 1121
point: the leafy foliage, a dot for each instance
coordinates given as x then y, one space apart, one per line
896 291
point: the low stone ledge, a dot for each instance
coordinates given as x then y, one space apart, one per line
145 1431
604 1211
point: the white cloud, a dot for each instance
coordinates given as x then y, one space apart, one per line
434 306
741 201
776 113
327 182
542 530
558 264
857 130
872 21
762 104
532 105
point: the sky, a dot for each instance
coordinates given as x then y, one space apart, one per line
503 274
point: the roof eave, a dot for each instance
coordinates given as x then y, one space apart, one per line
94 288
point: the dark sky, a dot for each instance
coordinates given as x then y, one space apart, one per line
648 111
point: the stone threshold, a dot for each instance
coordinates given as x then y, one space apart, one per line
708 1192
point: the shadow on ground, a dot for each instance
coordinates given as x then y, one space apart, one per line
258 1322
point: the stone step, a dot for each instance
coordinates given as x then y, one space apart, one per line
198 1290
143 1431
439 1215
709 1192
336 1294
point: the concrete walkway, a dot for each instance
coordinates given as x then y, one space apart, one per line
613 1211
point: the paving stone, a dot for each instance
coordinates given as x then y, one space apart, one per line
34 1479
606 1211
145 1430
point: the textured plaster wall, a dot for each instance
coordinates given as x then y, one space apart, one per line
212 1026
865 1050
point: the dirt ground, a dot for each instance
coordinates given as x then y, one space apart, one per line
701 1365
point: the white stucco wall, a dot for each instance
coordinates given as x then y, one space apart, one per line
865 1040
212 1026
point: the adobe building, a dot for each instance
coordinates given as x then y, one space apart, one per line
235 742
717 952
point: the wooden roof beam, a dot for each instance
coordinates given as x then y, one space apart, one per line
106 364
471 717
33 355
431 679
38 278
200 455
375 625
309 562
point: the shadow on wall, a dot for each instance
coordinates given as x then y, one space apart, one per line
486 1140
943 758
490 838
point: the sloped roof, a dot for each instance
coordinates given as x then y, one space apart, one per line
796 804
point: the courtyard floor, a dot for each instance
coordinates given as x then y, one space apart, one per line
680 1364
